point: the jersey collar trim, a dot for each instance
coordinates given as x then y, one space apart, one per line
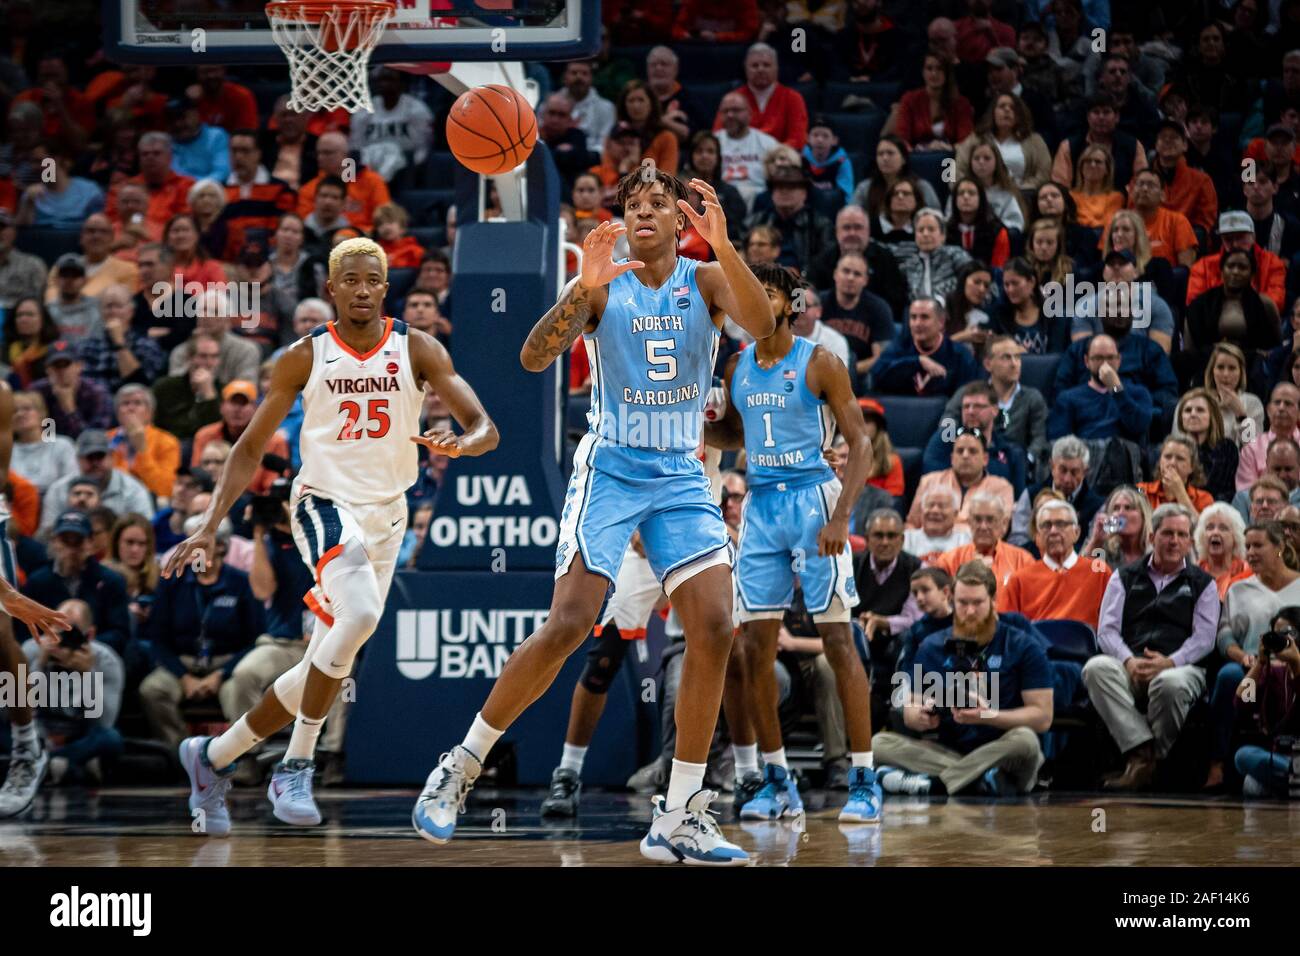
388 328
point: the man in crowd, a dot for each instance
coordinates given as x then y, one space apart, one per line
397 135
1021 412
775 109
886 608
978 410
75 402
168 190
568 144
138 446
120 354
75 313
988 518
968 476
188 400
927 362
100 267
853 234
807 324
366 189
199 151
743 148
240 358
238 402
1106 406
255 200
805 232
938 531
1127 152
22 274
1069 479
1237 231
1283 422
859 315
1060 585
592 113
117 490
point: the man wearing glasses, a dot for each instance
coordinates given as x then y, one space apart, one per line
968 476
1060 585
979 409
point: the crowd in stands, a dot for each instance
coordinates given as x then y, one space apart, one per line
1055 242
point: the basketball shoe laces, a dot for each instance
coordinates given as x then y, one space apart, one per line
703 819
454 780
22 771
299 788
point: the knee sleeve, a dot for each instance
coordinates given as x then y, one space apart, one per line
288 686
603 660
353 589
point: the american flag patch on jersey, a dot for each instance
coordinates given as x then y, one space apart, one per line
789 373
390 353
682 290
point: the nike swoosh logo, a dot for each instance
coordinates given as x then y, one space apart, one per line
334 359
397 522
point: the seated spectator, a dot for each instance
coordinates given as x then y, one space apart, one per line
421 311
168 523
938 532
1045 248
1106 406
1267 498
1059 586
132 229
40 454
928 266
805 233
1094 193
1231 312
973 227
29 332
138 446
621 155
861 316
1237 231
167 190
397 133
75 313
74 570
978 409
935 116
1069 478
201 626
1198 418
223 102
207 203
989 518
199 151
1127 235
78 738
926 362
775 109
296 274
1170 234
1141 362
968 475
970 749
896 219
869 47
1270 710
63 201
932 592
121 354
826 163
1179 473
189 259
75 402
365 189
1225 378
239 357
1220 541
1043 72
567 143
587 195
1121 294
403 251
1009 125
1121 530
891 166
290 147
22 275
591 113
434 275
1275 231
116 489
238 402
886 467
742 147
968 317
638 107
67 113
807 323
882 574
188 400
132 553
1283 422
254 200
988 169
1021 317
1188 191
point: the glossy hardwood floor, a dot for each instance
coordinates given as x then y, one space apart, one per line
149 827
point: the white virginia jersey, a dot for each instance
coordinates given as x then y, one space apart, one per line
359 413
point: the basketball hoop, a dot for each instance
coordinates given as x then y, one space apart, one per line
328 45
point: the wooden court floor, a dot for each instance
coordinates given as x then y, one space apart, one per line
149 827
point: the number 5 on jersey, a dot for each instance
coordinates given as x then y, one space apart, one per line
665 365
377 421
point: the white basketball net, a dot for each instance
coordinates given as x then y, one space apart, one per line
328 49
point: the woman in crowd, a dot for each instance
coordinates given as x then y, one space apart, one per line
1232 312
1095 197
1267 701
1249 609
973 226
891 166
190 260
1045 250
1220 539
207 199
1021 315
29 331
1225 378
935 116
895 223
1009 125
1128 233
40 456
1053 201
967 307
987 168
295 275
928 266
1198 417
886 467
704 157
586 196
1122 528
639 108
1179 477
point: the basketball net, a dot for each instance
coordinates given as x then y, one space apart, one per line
328 46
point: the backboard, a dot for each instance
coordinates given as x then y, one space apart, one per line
237 31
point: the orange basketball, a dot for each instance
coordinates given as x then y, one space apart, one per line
491 129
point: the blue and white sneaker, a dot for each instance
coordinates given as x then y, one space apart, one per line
864 797
26 771
689 834
290 793
894 780
994 783
208 788
777 798
434 816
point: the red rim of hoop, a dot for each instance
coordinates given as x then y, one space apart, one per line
316 10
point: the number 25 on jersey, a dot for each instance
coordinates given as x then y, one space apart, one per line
375 425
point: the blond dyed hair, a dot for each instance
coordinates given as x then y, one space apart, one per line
357 247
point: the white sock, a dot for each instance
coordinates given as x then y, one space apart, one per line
233 744
685 779
776 757
860 759
24 737
746 759
573 757
481 738
302 745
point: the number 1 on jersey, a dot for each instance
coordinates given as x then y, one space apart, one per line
769 441
376 413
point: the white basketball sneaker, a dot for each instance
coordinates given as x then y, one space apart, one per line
26 771
689 834
443 797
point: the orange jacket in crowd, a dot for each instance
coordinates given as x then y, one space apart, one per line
1191 192
405 253
366 193
1270 277
169 199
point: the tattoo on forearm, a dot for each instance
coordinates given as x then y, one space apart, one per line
560 326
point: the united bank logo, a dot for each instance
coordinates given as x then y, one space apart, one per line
462 642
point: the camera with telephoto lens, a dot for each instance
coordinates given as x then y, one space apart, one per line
73 639
268 509
1275 642
961 658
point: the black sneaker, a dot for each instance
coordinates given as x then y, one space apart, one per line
747 788
565 788
837 775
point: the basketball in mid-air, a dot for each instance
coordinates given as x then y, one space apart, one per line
491 129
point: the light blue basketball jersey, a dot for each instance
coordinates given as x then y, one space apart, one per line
652 358
786 426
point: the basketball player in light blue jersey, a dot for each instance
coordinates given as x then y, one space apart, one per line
651 328
783 393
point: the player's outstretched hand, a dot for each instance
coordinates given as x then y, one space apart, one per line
440 441
712 223
833 538
196 550
42 622
598 265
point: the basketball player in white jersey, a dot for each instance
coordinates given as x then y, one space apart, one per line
29 759
362 379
